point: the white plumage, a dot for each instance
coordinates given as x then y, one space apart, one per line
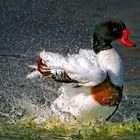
89 69
83 67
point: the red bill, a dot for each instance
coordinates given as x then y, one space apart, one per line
125 40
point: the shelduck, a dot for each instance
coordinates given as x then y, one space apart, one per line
92 80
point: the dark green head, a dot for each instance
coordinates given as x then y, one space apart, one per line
107 31
110 30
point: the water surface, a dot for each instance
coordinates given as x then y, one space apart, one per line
30 26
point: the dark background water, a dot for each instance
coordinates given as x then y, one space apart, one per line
30 26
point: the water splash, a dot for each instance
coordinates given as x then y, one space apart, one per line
28 27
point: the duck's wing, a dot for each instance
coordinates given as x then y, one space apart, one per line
82 68
85 69
48 64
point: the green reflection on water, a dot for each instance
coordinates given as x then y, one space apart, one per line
26 129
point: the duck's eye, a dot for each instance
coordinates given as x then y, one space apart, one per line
115 30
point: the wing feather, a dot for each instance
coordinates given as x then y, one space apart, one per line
82 67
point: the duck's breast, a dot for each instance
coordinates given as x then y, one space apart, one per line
112 63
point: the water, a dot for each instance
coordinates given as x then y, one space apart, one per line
28 27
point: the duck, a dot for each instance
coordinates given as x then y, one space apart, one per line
92 80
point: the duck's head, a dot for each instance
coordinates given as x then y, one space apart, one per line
108 31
